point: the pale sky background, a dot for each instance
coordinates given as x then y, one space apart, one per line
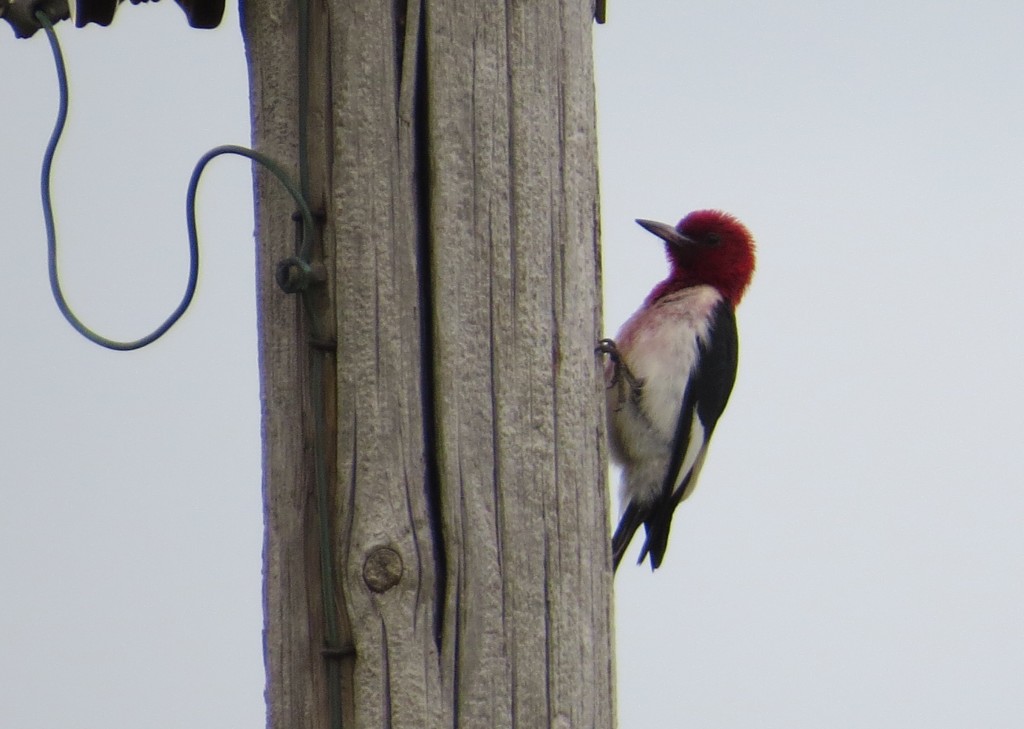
854 556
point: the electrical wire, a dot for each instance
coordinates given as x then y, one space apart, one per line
294 275
300 262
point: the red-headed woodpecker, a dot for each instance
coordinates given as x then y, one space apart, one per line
670 371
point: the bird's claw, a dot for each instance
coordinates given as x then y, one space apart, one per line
608 346
621 370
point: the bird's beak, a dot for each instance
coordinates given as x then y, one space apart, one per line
666 232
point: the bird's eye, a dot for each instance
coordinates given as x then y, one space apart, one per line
714 238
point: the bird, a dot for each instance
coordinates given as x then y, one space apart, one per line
670 370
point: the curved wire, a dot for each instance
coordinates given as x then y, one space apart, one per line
294 275
303 254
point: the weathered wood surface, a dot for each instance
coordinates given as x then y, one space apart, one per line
290 580
465 402
514 223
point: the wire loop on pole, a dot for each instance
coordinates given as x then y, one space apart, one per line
295 274
303 255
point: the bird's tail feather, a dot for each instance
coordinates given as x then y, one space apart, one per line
657 525
631 520
658 518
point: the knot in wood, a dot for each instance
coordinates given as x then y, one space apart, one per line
382 569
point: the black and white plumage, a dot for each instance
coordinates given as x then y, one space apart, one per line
670 372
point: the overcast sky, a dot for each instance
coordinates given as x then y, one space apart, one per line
853 556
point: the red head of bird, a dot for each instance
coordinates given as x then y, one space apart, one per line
706 247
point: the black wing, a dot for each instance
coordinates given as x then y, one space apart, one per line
705 396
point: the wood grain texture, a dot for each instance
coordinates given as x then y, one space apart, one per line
293 608
481 215
381 462
514 243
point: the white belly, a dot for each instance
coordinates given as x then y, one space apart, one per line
659 343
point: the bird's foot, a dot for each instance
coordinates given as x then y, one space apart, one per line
621 371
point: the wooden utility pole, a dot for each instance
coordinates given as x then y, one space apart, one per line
453 156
